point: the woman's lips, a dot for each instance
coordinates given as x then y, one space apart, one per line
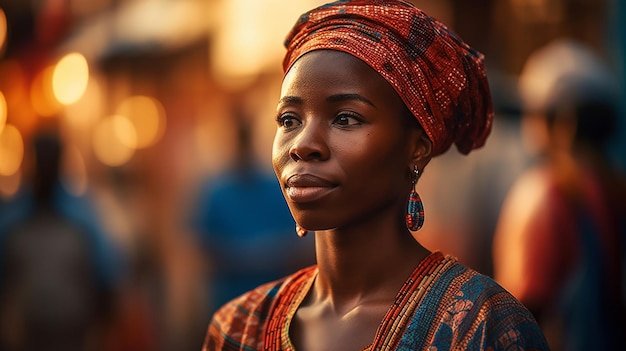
306 188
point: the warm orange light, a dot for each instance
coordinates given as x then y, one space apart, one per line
42 95
13 83
3 111
3 29
112 135
83 114
11 150
125 131
9 185
147 117
70 78
249 29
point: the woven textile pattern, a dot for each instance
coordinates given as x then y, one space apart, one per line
443 305
440 78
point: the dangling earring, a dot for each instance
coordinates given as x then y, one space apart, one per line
415 207
301 231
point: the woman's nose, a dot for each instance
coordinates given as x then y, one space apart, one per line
310 144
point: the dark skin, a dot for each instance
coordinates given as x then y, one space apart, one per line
344 152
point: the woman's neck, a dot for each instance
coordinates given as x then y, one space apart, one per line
364 264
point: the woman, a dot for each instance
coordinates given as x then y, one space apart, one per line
372 91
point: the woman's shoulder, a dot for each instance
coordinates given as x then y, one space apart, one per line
471 285
445 276
469 309
240 322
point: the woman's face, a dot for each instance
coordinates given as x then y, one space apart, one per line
341 152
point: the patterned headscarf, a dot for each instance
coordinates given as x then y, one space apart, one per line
440 78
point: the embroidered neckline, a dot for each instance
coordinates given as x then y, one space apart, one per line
388 333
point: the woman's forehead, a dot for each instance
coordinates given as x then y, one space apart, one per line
329 69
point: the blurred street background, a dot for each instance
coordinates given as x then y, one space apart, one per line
152 113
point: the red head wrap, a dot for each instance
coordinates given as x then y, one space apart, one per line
439 77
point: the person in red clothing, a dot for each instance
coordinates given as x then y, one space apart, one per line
372 91
559 242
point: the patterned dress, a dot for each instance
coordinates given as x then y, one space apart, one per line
443 305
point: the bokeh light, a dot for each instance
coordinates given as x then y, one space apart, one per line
111 140
3 30
42 95
83 114
10 185
124 131
70 78
15 85
250 29
11 150
147 117
3 111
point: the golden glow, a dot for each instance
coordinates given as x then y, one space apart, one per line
70 78
147 117
112 136
9 185
125 131
82 115
14 85
13 82
3 29
11 150
249 29
3 111
42 95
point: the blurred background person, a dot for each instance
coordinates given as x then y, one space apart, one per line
59 271
244 226
559 243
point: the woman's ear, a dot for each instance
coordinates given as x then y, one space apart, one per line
421 148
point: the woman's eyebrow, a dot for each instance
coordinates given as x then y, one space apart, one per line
290 100
346 97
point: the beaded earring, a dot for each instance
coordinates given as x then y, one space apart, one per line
301 232
415 207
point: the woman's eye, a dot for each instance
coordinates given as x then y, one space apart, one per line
288 121
346 119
